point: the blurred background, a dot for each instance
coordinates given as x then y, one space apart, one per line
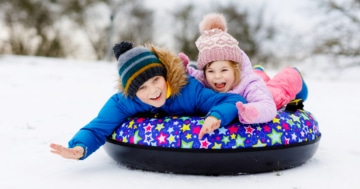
273 33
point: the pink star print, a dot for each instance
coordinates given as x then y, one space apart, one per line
267 129
249 130
162 138
196 130
205 143
233 129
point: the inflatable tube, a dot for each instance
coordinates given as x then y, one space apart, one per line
171 144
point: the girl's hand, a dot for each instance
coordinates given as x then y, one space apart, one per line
69 153
210 124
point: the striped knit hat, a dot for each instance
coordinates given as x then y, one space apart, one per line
215 43
136 65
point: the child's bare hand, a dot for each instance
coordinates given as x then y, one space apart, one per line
210 124
68 153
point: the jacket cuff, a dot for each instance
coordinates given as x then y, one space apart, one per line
85 150
214 114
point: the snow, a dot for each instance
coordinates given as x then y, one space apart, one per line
45 100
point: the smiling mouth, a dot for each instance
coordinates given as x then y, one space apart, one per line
156 98
220 85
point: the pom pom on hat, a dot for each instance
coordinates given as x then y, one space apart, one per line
214 42
136 65
212 21
122 47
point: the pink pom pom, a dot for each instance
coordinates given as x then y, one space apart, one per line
212 21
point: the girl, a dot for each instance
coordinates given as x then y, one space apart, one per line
153 81
224 67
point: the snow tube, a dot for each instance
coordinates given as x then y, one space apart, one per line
171 144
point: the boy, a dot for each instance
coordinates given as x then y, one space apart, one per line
152 80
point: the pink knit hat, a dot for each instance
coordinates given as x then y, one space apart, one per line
214 42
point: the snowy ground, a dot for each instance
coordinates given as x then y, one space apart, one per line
48 100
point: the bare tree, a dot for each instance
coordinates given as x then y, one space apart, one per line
124 20
30 28
251 32
186 31
85 18
52 28
337 37
132 21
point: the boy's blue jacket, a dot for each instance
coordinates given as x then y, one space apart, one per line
189 98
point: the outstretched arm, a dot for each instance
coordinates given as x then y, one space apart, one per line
93 135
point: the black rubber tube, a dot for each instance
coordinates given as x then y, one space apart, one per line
211 162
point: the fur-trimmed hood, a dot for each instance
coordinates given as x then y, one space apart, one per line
176 75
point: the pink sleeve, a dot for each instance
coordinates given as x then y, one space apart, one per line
197 74
257 95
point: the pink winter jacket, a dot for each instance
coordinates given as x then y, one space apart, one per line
251 87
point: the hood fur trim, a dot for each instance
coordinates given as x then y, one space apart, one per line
175 70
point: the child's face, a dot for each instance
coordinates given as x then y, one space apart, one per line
153 91
220 75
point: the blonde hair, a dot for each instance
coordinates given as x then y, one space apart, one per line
234 65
